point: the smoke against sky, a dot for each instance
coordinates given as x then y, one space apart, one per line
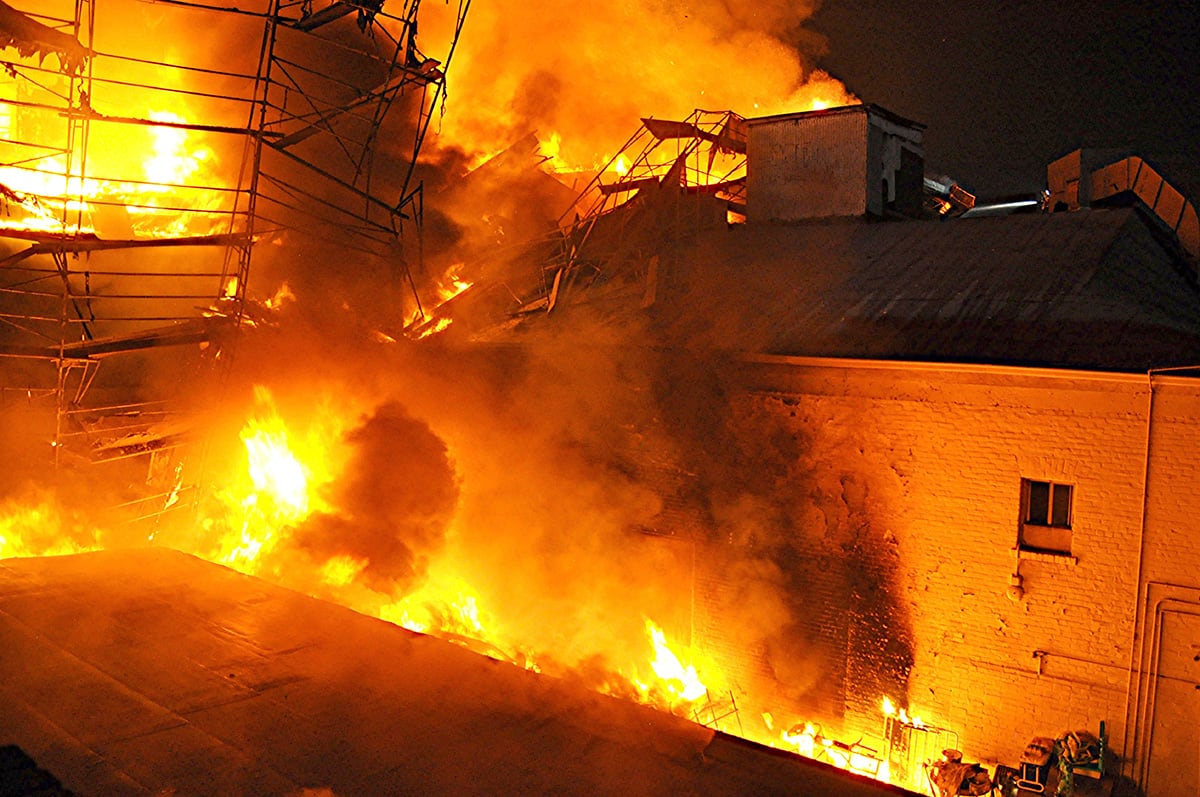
588 73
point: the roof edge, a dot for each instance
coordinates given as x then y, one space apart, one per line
1128 377
868 108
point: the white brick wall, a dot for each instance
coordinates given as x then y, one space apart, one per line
924 463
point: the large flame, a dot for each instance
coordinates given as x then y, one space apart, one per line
126 159
279 482
37 527
681 681
557 80
257 509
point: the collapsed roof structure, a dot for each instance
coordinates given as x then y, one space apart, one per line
712 246
136 183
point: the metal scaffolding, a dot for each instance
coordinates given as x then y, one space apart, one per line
138 170
641 197
670 180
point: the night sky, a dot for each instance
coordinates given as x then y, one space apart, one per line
1005 87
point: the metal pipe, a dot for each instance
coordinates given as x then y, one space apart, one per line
1129 732
1141 757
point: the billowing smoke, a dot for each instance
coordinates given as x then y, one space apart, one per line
585 74
392 504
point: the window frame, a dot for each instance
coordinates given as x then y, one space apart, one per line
1047 537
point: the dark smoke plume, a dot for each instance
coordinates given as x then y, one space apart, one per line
393 503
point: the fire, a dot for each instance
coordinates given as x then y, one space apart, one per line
889 710
281 297
118 162
174 197
449 286
803 738
718 55
274 469
279 484
680 681
551 150
37 526
36 530
809 741
434 328
446 605
256 511
342 570
156 191
452 284
43 198
175 159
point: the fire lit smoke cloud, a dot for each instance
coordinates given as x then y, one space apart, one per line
581 75
392 503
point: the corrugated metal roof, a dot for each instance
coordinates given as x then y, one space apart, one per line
1093 289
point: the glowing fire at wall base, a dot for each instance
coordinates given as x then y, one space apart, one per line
281 479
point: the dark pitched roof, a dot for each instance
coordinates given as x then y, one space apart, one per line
1094 289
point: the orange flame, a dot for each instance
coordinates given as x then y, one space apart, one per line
36 530
719 56
158 180
452 284
342 570
279 485
681 681
258 510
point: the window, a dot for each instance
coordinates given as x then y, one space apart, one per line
1046 516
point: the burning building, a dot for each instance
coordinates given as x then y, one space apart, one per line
767 432
963 446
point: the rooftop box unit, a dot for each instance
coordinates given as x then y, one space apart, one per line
859 160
